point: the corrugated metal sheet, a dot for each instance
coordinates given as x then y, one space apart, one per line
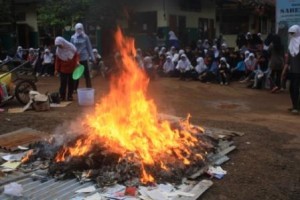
65 190
48 190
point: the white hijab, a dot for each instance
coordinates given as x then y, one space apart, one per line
67 51
79 30
201 66
168 65
294 44
172 36
183 64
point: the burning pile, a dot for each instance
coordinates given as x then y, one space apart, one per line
124 140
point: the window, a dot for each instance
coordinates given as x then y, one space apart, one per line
263 25
144 22
206 28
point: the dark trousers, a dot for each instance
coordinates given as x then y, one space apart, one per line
223 77
276 78
46 68
87 77
66 82
294 89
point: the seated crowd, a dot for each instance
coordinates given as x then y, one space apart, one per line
256 62
213 62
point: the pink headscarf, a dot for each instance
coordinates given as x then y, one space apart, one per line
67 51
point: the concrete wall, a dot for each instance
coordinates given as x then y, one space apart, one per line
172 8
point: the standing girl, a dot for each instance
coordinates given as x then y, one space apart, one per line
293 64
84 48
66 60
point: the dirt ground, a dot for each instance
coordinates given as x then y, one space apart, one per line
266 162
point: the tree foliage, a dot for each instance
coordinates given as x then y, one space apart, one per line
60 13
104 13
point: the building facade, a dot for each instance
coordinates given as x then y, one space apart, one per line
24 30
150 21
191 20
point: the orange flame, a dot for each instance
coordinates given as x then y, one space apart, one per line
126 121
27 156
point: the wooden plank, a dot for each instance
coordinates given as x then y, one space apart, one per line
222 133
11 141
223 144
199 172
227 150
221 160
213 159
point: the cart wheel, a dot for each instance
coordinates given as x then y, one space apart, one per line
22 91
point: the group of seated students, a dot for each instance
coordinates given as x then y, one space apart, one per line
210 64
40 60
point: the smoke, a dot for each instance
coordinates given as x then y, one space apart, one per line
68 131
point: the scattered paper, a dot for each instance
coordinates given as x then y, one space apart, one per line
115 189
156 195
166 187
217 172
179 193
111 196
86 190
13 157
115 192
13 189
23 148
143 191
221 136
11 165
95 196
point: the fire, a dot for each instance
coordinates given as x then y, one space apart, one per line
27 156
126 121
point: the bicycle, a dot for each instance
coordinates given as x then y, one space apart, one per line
17 79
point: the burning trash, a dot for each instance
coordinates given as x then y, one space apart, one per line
123 140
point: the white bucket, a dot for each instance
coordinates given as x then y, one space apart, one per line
85 96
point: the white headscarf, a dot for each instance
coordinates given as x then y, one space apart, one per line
201 66
216 51
67 51
183 64
172 36
79 30
168 65
294 44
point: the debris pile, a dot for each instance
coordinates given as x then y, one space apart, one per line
108 168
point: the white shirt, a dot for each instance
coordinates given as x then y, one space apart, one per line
48 58
168 66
